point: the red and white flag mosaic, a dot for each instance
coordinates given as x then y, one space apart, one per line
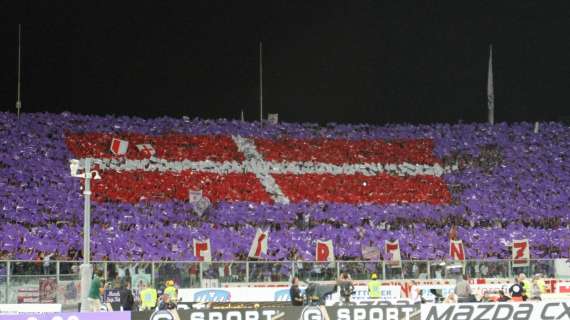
234 168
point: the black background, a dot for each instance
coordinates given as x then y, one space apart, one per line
324 61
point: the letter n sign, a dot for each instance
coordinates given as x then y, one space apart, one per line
456 250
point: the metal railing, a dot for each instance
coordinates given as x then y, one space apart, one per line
36 281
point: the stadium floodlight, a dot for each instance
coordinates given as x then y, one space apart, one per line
86 270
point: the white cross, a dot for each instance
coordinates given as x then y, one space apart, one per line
263 170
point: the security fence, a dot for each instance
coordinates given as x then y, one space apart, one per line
38 281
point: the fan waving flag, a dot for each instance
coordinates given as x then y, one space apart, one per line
234 168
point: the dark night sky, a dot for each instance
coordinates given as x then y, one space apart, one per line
324 61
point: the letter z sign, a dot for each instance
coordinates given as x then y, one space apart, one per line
521 253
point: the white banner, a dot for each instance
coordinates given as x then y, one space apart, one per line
371 253
562 267
497 311
521 253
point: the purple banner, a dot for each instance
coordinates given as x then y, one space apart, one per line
70 316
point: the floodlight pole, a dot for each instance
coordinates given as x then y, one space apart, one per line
87 213
86 268
260 83
18 100
490 89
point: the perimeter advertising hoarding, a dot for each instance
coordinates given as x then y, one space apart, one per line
29 307
71 316
404 311
272 294
559 310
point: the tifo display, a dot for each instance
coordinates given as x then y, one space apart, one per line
284 187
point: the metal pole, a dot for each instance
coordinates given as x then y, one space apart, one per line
152 278
261 83
9 269
18 101
337 270
87 213
86 268
200 278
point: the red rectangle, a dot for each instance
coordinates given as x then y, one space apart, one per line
339 151
173 147
359 188
135 186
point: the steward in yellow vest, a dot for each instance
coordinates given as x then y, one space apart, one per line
149 297
171 291
374 287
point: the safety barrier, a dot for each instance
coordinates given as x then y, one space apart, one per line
58 281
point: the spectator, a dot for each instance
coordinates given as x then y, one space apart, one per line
537 288
94 297
166 303
171 290
295 293
463 290
346 286
415 292
502 297
127 299
516 290
374 287
149 297
451 298
525 285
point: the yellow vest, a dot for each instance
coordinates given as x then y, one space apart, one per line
374 289
542 286
526 287
149 297
171 292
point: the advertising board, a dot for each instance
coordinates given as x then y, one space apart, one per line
551 310
273 294
404 311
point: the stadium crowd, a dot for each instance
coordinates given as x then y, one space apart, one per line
509 183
